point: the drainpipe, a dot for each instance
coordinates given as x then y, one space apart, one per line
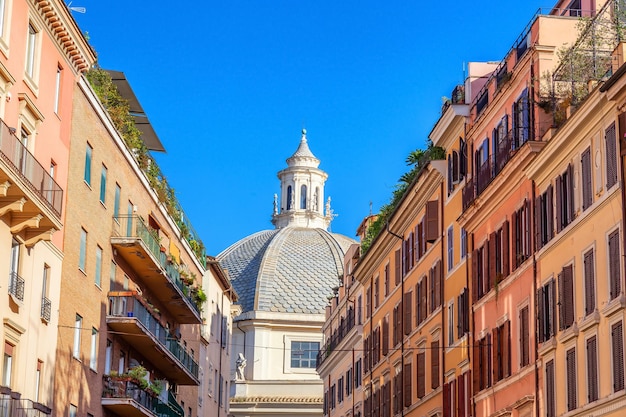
534 297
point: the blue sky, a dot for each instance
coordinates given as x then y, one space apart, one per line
228 86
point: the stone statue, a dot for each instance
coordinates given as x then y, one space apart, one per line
241 366
293 201
315 201
275 204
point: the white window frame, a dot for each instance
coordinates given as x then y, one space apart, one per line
287 355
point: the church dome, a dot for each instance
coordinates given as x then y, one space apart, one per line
294 268
287 270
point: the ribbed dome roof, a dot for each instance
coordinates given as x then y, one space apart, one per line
288 270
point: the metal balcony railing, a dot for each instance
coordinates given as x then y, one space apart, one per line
127 306
345 325
16 286
12 405
127 389
46 305
24 164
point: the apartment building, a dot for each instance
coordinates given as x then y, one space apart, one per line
340 359
449 133
42 56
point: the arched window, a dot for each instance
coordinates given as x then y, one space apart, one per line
289 197
303 197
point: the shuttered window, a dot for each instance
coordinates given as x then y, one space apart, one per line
611 157
565 198
407 385
590 282
398 267
570 365
617 344
408 309
615 283
586 179
544 230
386 336
524 337
550 400
434 371
546 311
501 351
463 313
396 325
432 221
592 369
421 374
436 276
566 298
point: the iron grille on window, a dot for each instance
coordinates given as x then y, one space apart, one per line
16 286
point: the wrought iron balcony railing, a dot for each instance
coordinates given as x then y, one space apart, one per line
16 286
345 325
46 305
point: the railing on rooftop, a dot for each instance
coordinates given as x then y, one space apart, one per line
126 306
457 97
26 166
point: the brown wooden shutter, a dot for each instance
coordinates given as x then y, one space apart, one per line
461 383
446 401
397 267
418 303
385 336
559 203
439 282
550 211
476 366
524 337
590 282
617 342
592 369
614 265
432 221
538 223
561 303
488 356
586 179
421 374
505 249
434 372
570 364
424 300
568 278
550 397
570 193
497 354
408 309
541 312
611 157
491 256
431 289
552 306
506 349
527 229
515 240
416 244
407 395
474 277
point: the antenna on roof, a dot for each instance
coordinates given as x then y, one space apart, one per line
76 8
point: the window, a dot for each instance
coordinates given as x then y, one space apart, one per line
592 369
451 323
103 184
617 345
463 307
566 298
116 202
368 302
78 324
87 171
45 302
432 221
358 373
565 198
590 282
38 379
502 351
421 301
615 279
303 197
304 354
98 276
450 247
82 255
421 374
434 364
524 337
436 284
7 364
376 292
397 324
31 48
349 382
550 397
544 216
408 313
480 271
93 360
570 365
407 375
611 157
408 259
482 356
73 411
398 267
360 310
57 89
387 283
463 243
520 223
340 388
546 306
521 120
586 179
385 335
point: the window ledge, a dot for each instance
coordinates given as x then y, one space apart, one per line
592 319
615 305
569 333
547 346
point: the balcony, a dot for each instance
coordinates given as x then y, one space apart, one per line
127 398
141 328
31 196
139 246
12 405
341 332
46 305
16 287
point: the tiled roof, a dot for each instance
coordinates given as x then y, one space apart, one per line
289 270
